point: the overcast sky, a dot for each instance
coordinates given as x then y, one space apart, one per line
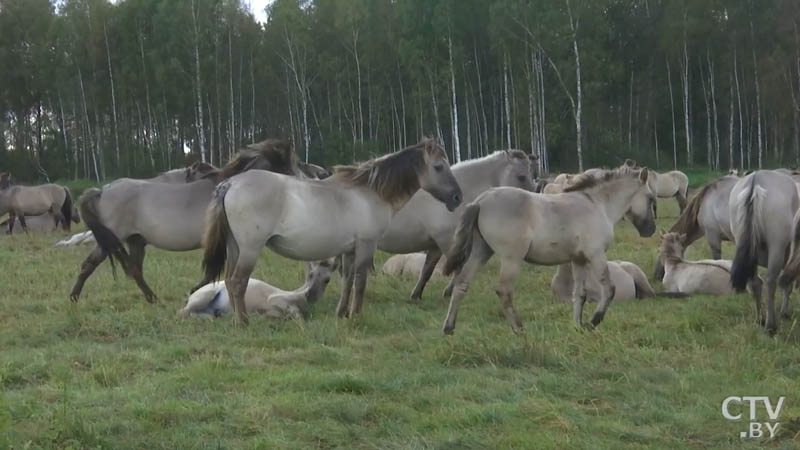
257 6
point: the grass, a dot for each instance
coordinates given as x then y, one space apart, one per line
115 372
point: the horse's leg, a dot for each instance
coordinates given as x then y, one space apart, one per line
12 217
600 268
755 286
136 246
715 242
89 264
481 252
432 258
238 276
448 291
347 284
785 311
361 265
774 266
23 223
681 200
509 270
578 292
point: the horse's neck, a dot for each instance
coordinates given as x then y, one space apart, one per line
478 176
671 261
613 197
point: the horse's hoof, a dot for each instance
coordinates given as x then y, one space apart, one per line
448 330
415 298
74 298
587 326
597 318
447 293
518 330
771 331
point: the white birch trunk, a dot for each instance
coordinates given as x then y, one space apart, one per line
672 114
454 114
198 86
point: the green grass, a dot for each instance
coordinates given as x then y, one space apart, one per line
115 372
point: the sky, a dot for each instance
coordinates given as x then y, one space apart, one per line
257 7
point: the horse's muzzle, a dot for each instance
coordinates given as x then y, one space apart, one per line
454 201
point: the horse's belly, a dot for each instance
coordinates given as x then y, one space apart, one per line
309 248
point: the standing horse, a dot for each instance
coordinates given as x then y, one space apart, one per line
706 214
425 225
19 201
345 214
670 184
762 209
574 227
168 216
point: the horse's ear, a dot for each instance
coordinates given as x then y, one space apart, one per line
682 238
533 157
643 175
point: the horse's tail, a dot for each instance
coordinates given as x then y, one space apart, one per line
643 288
461 247
792 268
105 238
683 184
216 234
66 209
748 218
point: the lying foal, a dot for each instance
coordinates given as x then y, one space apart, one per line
628 279
707 276
212 299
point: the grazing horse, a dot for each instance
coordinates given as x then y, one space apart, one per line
424 224
574 227
670 184
628 279
707 276
762 209
19 201
213 300
345 214
706 214
168 216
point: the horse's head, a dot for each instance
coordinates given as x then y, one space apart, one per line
5 180
534 166
517 170
672 245
318 275
641 212
436 178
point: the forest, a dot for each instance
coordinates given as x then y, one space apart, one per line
97 90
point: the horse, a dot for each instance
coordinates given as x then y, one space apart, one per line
574 227
706 214
44 223
670 184
345 214
425 225
190 173
627 278
707 276
762 209
19 201
213 300
168 216
410 264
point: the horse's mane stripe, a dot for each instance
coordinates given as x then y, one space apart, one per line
588 180
514 153
394 176
278 154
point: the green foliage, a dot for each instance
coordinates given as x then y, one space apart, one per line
112 371
350 79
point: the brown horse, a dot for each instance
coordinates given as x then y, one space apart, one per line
168 216
19 201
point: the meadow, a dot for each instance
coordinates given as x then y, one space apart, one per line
112 371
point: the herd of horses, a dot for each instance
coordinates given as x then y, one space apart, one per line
413 202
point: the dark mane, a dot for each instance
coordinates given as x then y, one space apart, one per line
517 154
394 177
273 155
586 181
687 222
5 180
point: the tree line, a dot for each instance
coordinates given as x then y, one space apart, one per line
94 89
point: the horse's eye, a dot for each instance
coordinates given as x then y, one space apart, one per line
522 178
438 167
